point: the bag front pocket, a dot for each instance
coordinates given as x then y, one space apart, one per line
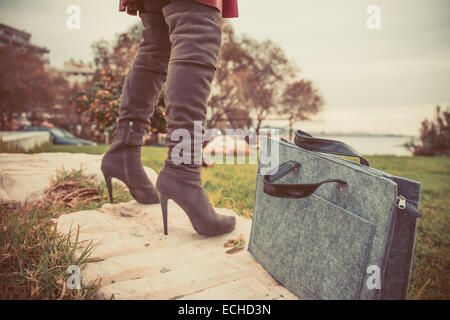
332 250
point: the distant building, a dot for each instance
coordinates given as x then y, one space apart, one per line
76 72
10 36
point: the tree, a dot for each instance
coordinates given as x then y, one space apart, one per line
226 104
265 78
299 102
255 80
100 101
126 47
434 135
119 54
26 85
101 54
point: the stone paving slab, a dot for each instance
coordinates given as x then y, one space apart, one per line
137 261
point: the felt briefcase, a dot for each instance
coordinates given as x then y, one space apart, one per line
329 228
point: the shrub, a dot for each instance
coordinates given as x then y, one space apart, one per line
434 136
100 105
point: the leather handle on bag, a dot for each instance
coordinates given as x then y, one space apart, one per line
308 142
291 190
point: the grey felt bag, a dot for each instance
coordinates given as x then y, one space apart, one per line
330 228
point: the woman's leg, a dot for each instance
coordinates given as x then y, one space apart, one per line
141 90
149 70
195 33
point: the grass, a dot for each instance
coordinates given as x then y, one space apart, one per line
232 186
431 270
34 256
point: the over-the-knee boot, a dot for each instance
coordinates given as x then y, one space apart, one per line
195 33
140 93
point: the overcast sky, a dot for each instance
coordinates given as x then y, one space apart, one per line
377 81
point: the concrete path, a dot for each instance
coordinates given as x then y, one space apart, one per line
136 260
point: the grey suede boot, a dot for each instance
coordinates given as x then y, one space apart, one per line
195 33
140 93
123 161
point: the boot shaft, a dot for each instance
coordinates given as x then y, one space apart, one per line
148 72
195 34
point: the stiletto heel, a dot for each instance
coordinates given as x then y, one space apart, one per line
108 179
192 198
164 199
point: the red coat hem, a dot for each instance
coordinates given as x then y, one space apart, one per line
229 8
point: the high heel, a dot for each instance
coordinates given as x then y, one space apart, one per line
187 191
108 179
164 199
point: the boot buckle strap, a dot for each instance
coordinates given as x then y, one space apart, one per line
134 137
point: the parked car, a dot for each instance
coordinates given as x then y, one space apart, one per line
61 136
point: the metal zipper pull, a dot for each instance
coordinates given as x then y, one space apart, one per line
401 202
